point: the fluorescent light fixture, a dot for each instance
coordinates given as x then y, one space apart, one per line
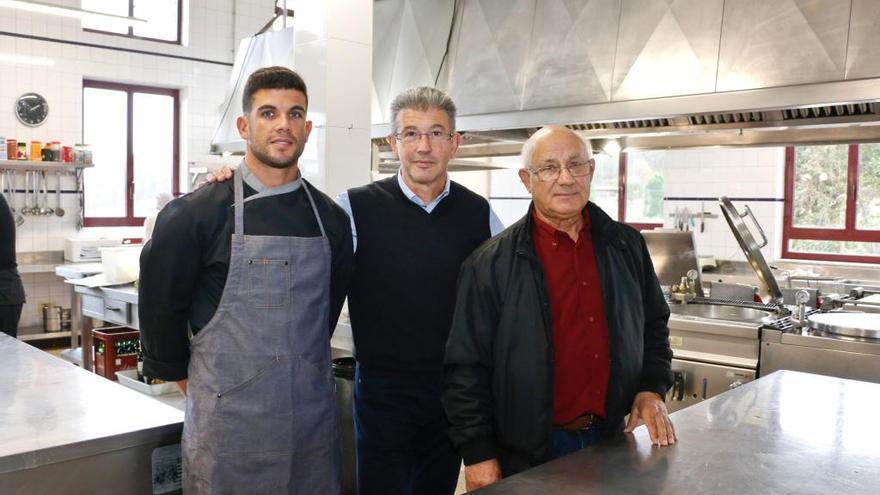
24 59
48 8
611 147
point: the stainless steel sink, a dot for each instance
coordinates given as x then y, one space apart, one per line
720 312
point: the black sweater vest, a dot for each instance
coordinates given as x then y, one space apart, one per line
402 294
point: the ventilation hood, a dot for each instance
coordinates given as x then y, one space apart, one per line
261 50
654 75
825 124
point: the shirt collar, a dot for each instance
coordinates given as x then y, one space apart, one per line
251 180
543 227
415 197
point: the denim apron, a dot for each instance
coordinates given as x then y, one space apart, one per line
261 413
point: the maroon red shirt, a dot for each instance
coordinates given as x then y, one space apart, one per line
580 330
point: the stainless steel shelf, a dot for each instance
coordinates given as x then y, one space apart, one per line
44 166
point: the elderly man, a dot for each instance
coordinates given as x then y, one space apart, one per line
559 328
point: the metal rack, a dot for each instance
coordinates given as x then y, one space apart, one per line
41 169
42 166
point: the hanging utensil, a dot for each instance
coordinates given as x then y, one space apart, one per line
46 210
26 209
59 211
35 191
702 217
80 194
10 174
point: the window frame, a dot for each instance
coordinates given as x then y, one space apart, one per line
849 233
621 198
129 220
131 35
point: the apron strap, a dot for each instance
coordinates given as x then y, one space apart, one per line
314 209
238 206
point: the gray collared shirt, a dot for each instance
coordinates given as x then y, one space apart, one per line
262 190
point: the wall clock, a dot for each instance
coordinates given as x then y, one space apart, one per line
31 109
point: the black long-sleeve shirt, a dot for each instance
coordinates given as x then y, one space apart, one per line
11 289
7 236
185 264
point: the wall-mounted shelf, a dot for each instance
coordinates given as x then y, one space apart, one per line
44 166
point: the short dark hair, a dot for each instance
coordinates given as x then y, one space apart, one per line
276 77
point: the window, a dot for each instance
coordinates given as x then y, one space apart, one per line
641 180
832 203
605 188
629 188
133 134
162 16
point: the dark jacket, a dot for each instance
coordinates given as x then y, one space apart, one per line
499 357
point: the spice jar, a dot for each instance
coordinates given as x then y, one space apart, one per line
36 151
22 151
11 149
56 151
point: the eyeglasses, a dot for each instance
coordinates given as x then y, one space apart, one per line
413 136
551 173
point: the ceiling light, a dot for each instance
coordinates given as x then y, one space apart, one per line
48 8
611 147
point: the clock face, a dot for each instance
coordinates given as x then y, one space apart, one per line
31 109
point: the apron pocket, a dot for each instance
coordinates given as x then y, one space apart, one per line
255 415
268 282
286 407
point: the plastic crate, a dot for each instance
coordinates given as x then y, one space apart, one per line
116 348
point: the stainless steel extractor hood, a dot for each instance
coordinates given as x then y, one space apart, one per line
261 50
656 75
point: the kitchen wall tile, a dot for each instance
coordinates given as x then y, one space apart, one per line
202 85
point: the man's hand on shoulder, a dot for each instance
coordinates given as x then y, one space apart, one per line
651 410
481 474
221 175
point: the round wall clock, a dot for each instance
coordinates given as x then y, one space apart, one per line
31 109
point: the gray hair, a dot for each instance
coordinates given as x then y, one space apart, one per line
528 149
423 98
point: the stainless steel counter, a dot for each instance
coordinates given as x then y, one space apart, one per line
787 432
65 430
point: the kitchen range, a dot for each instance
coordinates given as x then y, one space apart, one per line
721 343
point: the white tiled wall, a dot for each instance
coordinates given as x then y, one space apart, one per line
42 288
755 173
210 36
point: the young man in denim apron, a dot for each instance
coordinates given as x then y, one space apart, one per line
257 268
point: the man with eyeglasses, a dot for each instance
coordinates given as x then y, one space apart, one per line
411 233
560 327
